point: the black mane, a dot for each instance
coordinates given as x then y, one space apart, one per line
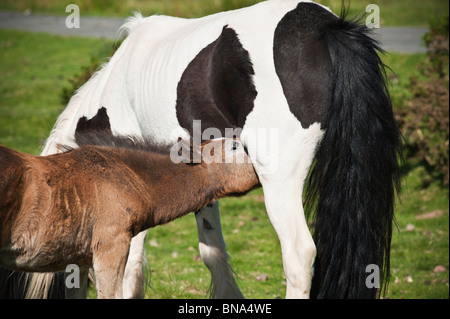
97 131
129 142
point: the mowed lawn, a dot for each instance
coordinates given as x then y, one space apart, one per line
35 69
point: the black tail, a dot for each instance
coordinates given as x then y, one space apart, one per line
355 176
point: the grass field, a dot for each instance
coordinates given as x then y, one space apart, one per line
399 12
36 67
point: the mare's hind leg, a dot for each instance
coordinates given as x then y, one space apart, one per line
213 253
283 190
109 265
134 278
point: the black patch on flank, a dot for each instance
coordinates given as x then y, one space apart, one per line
217 86
98 124
303 63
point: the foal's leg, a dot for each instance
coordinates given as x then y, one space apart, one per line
134 278
109 265
213 253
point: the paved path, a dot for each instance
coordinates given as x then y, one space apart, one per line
89 26
394 39
402 39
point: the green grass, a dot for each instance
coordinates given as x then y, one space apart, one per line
251 242
392 13
419 245
402 67
396 13
182 8
36 67
416 252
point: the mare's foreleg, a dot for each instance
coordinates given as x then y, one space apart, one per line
214 254
134 279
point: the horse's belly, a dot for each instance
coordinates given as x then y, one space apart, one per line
33 253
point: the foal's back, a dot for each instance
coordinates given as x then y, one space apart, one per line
52 204
11 170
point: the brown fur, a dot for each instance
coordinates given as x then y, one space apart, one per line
83 207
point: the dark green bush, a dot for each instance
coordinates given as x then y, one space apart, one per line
425 118
436 41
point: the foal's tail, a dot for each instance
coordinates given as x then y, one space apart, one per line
356 174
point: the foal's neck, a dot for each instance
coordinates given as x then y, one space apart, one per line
174 189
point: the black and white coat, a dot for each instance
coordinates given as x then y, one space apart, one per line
271 73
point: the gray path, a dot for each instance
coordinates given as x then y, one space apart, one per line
89 26
402 39
394 39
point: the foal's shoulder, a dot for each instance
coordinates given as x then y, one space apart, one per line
92 152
